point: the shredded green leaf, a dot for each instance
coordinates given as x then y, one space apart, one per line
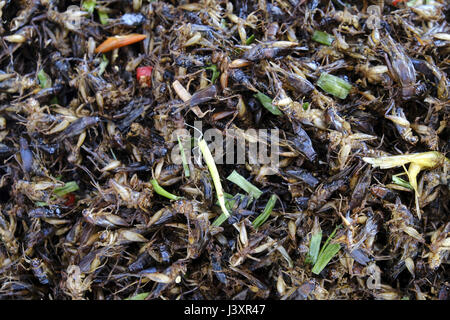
215 71
44 79
140 296
401 182
67 188
250 40
334 85
266 213
221 219
327 253
266 101
314 248
236 178
323 38
325 257
160 190
230 202
103 16
89 5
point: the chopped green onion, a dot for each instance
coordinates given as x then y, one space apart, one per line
323 38
236 178
266 213
221 219
334 85
230 201
327 253
103 65
329 239
140 296
250 40
103 16
183 158
67 188
214 174
325 257
266 101
314 247
89 5
216 72
401 182
159 190
44 79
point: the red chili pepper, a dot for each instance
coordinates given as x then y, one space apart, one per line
395 2
70 199
144 76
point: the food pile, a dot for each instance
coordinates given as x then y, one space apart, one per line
117 179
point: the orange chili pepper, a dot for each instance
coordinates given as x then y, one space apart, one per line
119 41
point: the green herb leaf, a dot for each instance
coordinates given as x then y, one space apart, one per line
314 248
221 219
401 182
266 213
216 72
325 257
250 40
103 16
230 201
266 101
89 5
44 79
323 38
159 190
67 188
326 253
334 85
305 106
236 178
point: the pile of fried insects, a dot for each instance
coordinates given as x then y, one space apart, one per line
102 197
